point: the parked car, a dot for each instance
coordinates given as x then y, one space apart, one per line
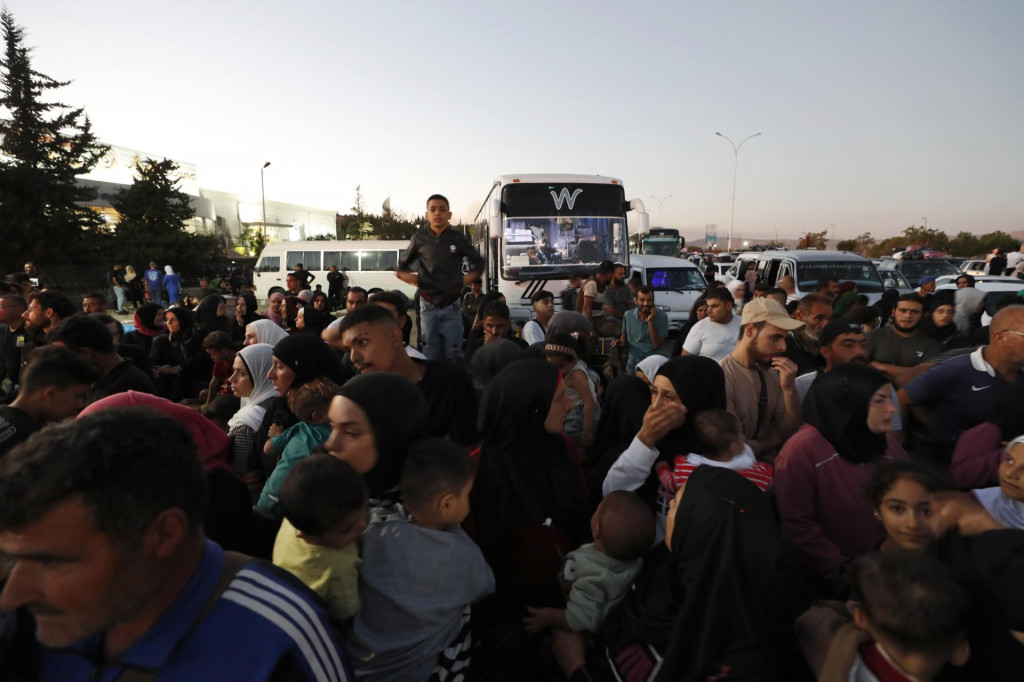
677 284
914 270
995 291
973 267
808 267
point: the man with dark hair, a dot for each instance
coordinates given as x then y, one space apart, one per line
355 297
12 340
46 311
129 351
305 276
714 336
618 297
594 301
814 310
103 519
644 329
115 278
94 302
374 341
93 342
497 325
336 281
899 349
154 277
440 253
536 329
842 342
54 388
293 284
827 286
398 303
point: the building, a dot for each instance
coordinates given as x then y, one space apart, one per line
233 218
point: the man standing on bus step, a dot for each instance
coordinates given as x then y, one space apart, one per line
440 252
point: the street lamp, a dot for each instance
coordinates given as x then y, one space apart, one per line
833 236
735 166
925 223
263 192
661 207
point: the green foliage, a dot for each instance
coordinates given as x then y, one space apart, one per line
814 240
45 145
153 215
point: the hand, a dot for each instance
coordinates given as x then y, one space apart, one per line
539 619
961 510
618 343
274 430
786 369
659 420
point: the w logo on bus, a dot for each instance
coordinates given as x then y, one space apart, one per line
564 197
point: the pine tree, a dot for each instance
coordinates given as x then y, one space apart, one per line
153 214
44 146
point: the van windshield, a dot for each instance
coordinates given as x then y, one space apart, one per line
676 279
862 273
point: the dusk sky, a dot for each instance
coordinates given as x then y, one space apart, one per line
873 114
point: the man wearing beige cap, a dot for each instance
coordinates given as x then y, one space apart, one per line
759 380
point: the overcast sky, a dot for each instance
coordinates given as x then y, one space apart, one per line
874 114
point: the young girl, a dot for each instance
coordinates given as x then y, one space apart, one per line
562 351
901 493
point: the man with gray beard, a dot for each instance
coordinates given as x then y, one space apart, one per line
814 310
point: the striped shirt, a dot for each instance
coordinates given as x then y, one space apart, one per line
758 473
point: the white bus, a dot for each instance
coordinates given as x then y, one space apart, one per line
368 264
536 231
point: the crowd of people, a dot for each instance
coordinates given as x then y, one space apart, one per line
812 488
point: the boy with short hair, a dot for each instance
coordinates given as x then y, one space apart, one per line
324 505
543 310
53 387
309 403
721 437
915 610
600 574
422 572
440 252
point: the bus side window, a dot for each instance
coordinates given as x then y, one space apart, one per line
379 260
269 264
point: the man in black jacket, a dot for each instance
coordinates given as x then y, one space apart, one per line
440 252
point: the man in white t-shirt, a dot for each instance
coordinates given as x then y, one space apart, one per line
715 336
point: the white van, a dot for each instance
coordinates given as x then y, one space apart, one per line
368 263
677 283
807 267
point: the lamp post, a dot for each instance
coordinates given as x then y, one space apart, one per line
263 192
833 236
661 207
735 166
925 223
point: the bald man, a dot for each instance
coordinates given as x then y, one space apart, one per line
960 393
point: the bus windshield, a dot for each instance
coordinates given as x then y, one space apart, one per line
862 273
661 246
552 231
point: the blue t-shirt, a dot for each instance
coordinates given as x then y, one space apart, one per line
154 278
263 618
638 336
962 393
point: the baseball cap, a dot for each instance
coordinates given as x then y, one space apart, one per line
836 328
771 311
927 279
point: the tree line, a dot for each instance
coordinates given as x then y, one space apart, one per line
963 244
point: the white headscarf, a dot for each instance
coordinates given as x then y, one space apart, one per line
968 300
267 331
168 270
1005 510
650 366
257 358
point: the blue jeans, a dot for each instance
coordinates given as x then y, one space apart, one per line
441 329
119 295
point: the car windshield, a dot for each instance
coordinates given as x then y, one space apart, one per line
917 269
676 279
897 277
661 246
862 273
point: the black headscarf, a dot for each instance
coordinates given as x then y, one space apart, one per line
207 318
145 320
251 305
711 603
700 384
314 321
625 402
837 406
309 358
525 474
186 325
489 360
397 412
